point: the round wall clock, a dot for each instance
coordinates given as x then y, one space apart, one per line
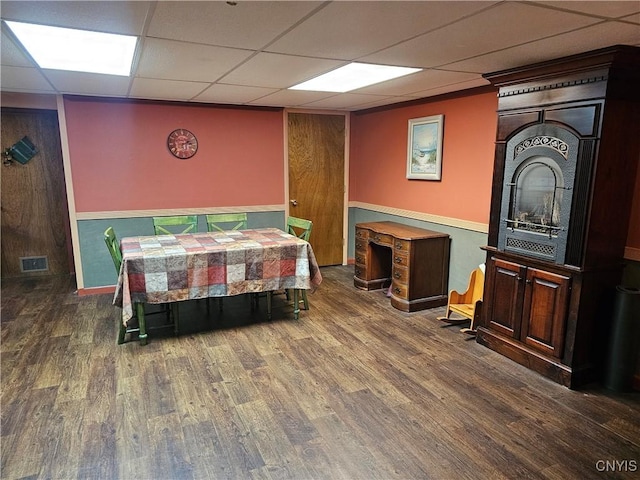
182 143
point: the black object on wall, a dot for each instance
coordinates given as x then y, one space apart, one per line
22 151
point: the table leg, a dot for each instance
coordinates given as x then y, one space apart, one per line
141 323
296 304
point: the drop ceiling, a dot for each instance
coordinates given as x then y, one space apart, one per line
249 53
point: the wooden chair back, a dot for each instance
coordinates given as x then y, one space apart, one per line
114 248
219 222
175 225
466 304
299 227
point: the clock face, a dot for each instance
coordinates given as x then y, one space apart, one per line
182 143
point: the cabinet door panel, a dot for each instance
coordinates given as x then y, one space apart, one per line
545 308
506 300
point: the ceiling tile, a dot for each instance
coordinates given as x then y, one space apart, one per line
88 83
606 9
238 94
278 71
113 17
557 46
291 98
12 54
506 25
415 82
453 87
166 89
250 25
23 79
347 30
173 60
345 101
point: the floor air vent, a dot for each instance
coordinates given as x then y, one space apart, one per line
34 264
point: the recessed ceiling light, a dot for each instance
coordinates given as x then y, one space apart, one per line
76 50
353 76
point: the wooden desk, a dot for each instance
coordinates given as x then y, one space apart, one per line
414 261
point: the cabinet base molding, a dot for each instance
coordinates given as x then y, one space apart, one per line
420 304
529 358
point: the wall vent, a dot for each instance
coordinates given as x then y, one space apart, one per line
34 264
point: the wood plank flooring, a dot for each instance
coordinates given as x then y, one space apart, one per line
353 390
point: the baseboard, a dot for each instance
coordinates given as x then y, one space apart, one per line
82 292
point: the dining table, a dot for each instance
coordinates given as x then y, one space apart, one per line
160 269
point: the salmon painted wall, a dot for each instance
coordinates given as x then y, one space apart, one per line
120 161
378 161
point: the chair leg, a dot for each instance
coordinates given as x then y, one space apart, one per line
121 333
305 301
176 317
269 299
452 321
142 323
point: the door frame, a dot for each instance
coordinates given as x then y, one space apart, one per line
345 197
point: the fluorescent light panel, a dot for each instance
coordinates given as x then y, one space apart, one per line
353 76
76 50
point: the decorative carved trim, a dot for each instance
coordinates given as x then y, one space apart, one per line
543 141
553 86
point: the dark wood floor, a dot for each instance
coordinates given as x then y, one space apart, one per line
353 390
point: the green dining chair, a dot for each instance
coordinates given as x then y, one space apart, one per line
301 228
219 222
175 225
113 246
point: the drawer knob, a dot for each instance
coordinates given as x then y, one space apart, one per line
398 246
397 275
398 259
397 290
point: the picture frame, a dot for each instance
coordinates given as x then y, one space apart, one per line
424 148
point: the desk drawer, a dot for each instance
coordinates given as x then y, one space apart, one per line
361 257
362 233
400 259
400 274
381 239
401 245
360 271
399 290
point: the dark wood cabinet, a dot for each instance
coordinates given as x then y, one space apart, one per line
412 261
567 150
528 305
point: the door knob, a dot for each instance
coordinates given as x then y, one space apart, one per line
294 202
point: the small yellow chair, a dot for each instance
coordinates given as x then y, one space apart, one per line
467 304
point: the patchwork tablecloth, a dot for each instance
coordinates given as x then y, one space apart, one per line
171 268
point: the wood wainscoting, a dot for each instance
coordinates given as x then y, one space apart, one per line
35 217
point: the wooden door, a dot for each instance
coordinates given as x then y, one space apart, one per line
35 217
544 311
316 149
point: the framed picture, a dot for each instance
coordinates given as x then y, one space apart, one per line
424 151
